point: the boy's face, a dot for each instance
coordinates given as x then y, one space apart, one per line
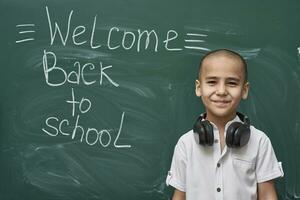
221 86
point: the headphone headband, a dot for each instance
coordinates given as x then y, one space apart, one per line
242 117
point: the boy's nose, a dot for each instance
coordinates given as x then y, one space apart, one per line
221 90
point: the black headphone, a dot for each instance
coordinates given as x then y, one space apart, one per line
237 134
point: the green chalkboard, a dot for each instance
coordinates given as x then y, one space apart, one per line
95 94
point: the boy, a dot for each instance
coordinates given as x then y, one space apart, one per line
223 157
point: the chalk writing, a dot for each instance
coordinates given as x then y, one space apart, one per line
25 30
55 127
196 38
57 74
169 38
74 77
139 40
115 39
80 104
90 136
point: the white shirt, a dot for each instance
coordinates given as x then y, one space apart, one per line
206 174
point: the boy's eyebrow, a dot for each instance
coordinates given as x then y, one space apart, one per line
211 77
230 78
234 79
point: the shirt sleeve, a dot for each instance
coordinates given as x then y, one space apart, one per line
267 166
177 175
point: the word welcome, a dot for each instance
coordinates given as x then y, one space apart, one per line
115 39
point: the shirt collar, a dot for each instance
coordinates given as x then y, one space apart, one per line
235 119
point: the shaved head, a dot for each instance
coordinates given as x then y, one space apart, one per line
225 53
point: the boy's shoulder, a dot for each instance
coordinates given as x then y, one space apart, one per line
187 137
258 135
187 141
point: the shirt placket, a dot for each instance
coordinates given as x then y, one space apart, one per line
218 166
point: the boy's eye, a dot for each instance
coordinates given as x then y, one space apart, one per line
232 83
211 82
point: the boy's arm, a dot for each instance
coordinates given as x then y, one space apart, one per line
266 191
178 195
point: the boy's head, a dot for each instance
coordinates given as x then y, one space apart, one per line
222 83
228 53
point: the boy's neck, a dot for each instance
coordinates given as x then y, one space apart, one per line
220 122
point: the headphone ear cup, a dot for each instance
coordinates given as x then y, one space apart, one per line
205 131
209 136
231 134
243 134
237 135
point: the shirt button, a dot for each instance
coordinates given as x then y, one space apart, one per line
218 189
216 140
218 165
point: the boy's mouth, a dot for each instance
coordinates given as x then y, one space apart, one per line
221 103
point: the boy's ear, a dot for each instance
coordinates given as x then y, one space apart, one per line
197 88
245 90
